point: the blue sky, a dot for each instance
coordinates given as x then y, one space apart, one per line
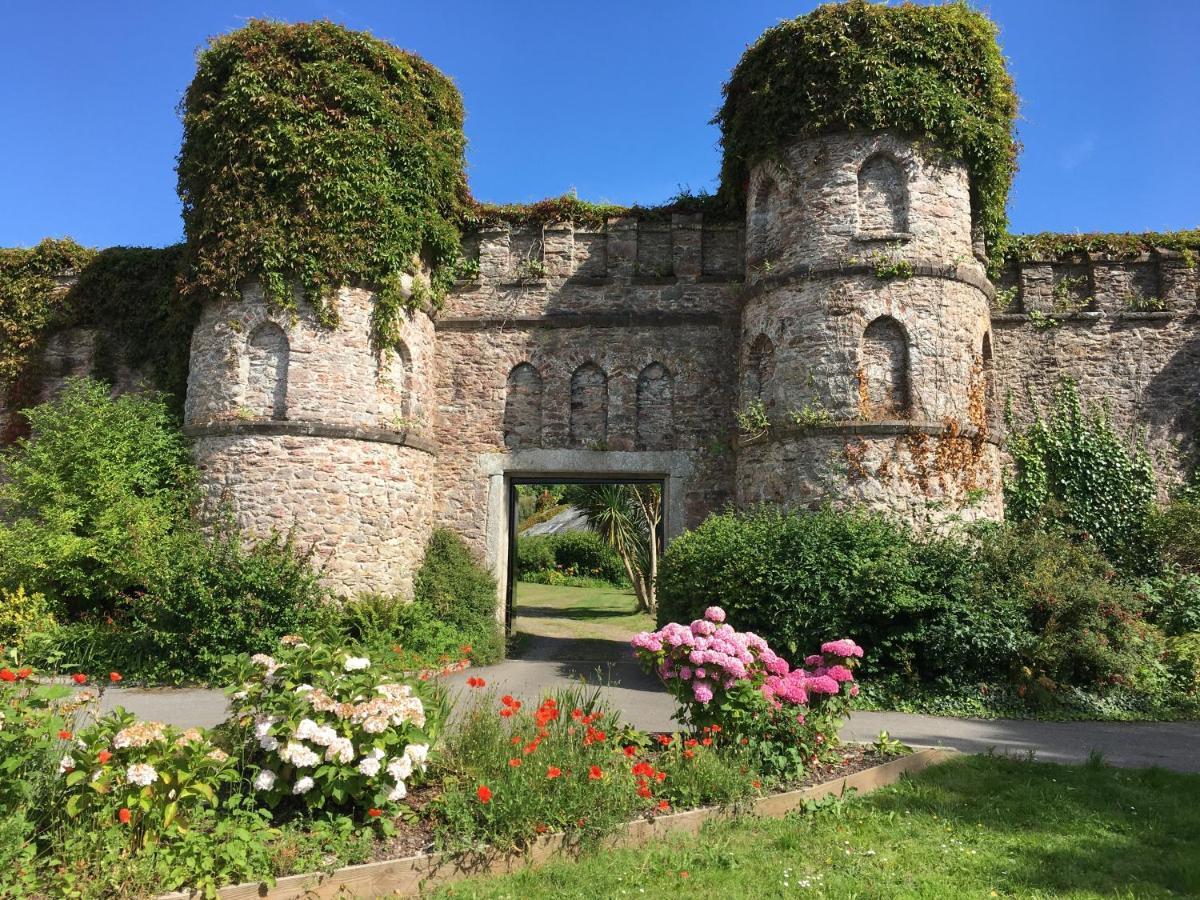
609 99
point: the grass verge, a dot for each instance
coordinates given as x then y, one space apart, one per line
976 827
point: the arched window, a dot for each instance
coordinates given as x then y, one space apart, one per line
266 386
395 381
885 389
882 197
523 408
762 210
655 416
760 369
589 406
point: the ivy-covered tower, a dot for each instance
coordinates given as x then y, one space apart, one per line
321 173
865 352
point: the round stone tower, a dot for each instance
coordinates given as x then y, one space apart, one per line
304 428
865 333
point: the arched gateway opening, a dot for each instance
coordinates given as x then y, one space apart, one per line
581 559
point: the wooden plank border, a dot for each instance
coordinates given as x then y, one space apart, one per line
409 876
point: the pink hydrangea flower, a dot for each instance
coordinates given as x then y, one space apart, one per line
821 684
815 660
715 614
702 692
840 674
845 648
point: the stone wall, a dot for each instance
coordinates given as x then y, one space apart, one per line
302 428
1127 332
863 333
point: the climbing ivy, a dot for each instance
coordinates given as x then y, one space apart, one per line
569 208
126 293
1049 245
318 156
928 71
1072 471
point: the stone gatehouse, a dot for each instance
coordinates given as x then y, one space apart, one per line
841 344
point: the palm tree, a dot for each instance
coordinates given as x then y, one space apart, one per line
627 516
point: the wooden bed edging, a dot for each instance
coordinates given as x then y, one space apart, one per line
407 877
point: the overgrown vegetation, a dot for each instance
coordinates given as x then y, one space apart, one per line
578 558
318 156
928 71
453 588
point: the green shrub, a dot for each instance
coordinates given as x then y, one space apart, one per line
22 614
1175 529
93 498
798 578
1082 625
578 554
98 519
1172 601
452 587
1183 660
1074 473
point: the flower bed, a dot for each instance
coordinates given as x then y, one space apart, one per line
331 756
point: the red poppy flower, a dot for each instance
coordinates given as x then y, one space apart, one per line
24 673
664 739
643 789
124 815
114 677
464 649
79 678
553 772
484 793
688 754
64 735
507 700
374 813
8 675
515 739
595 773
756 784
664 805
515 762
506 712
577 714
104 756
707 742
630 750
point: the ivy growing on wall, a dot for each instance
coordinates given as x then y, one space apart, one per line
1072 471
317 156
1049 245
928 71
126 293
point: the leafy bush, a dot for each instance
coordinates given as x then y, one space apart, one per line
454 588
147 776
1175 530
1073 472
572 554
22 614
92 502
97 517
331 729
1082 625
801 577
1172 601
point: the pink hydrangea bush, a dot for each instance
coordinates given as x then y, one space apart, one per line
734 679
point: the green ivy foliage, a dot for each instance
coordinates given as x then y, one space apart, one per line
1046 244
1071 470
928 71
319 156
127 293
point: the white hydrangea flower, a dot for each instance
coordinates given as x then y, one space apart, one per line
375 725
66 764
399 792
400 768
340 749
142 774
418 753
369 766
299 755
268 743
325 736
303 688
303 785
265 780
356 663
307 730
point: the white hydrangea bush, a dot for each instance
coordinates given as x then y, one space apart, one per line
325 727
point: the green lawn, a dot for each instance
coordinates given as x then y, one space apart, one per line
581 622
976 827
